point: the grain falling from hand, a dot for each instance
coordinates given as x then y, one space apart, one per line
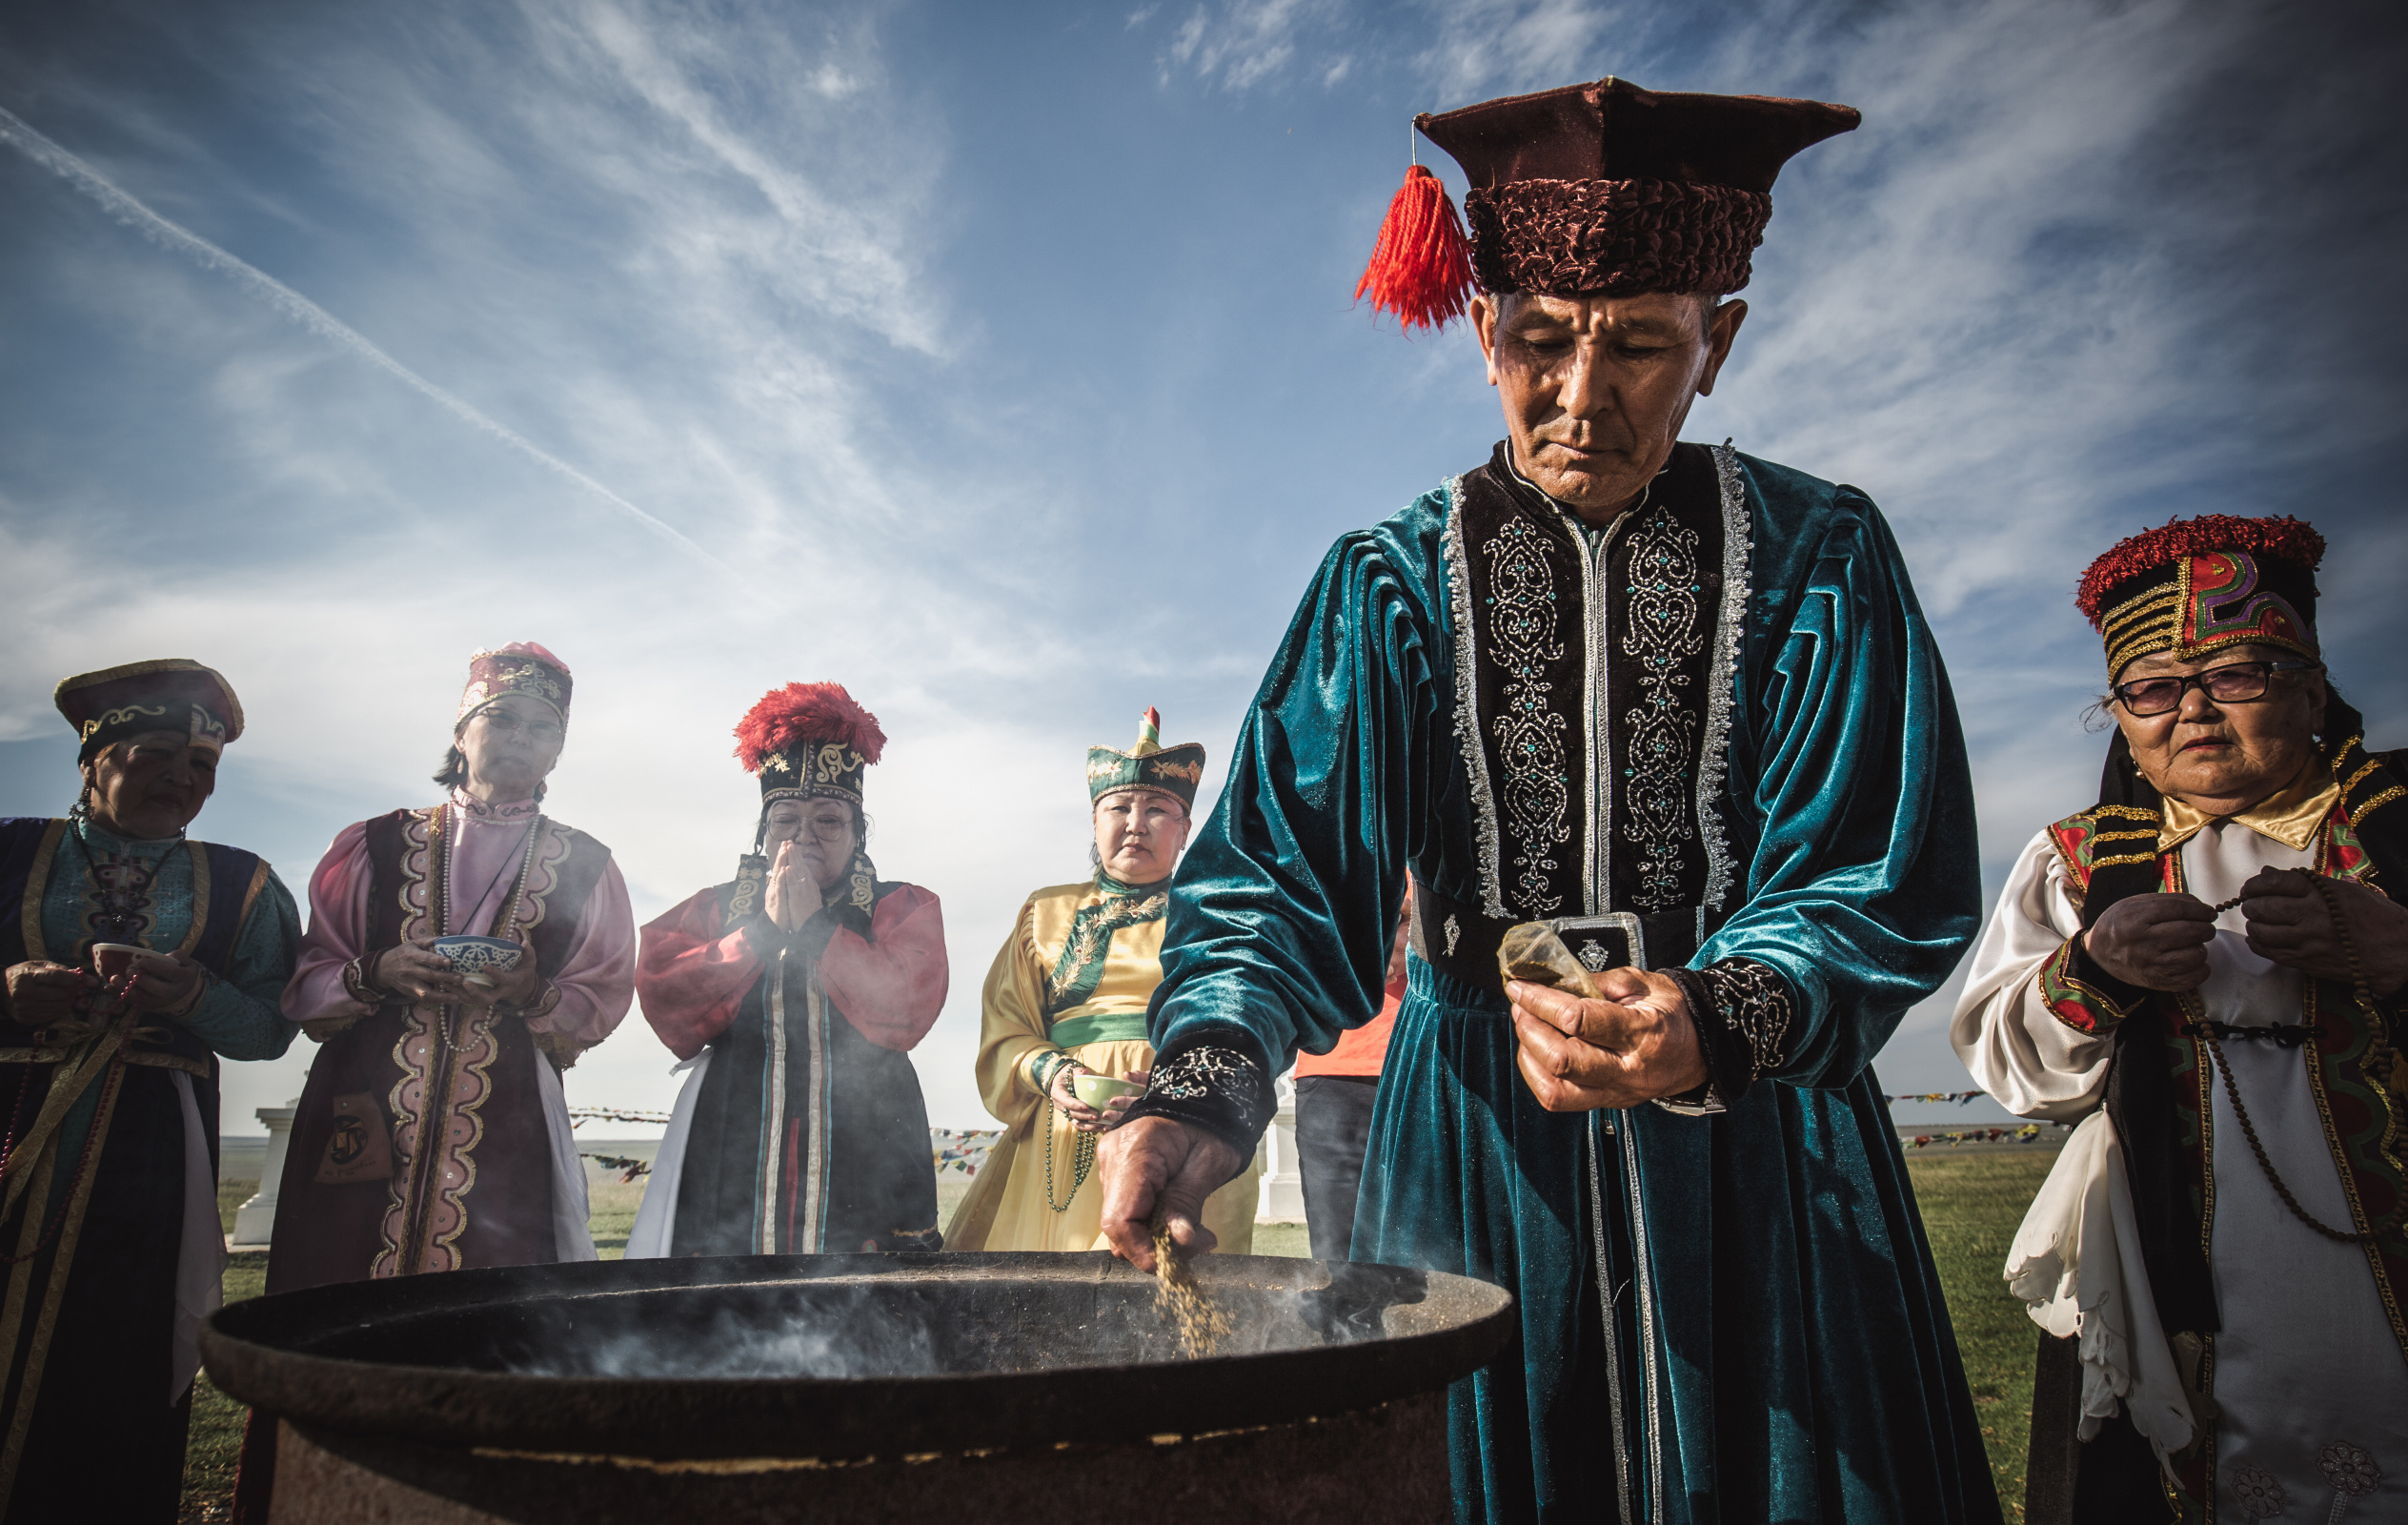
1200 1322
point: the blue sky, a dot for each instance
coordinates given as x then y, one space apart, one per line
999 363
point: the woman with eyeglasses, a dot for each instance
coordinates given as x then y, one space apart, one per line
2205 972
793 995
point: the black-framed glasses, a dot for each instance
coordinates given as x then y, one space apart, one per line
2233 684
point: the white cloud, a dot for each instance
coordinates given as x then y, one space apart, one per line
1486 48
732 263
1239 44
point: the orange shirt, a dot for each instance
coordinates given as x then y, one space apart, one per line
1358 1052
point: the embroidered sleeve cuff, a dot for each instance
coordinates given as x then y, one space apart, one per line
2083 996
547 1000
1214 1078
1744 1011
355 984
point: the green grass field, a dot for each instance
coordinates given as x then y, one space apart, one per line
1971 1200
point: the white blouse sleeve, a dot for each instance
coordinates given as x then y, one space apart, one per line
2024 1055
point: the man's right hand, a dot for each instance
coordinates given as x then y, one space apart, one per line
1160 1162
42 993
2156 942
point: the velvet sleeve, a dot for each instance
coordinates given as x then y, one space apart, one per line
1284 909
1848 771
890 985
692 974
239 1016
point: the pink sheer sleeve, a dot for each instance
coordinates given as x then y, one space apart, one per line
596 980
337 934
694 976
891 986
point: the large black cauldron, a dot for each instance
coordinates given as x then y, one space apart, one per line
980 1387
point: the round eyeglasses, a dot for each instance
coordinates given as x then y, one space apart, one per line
2233 684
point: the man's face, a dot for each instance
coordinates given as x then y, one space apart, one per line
1595 388
151 787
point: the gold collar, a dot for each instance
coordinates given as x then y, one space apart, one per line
2291 816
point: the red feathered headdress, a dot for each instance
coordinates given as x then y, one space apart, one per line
809 739
2195 585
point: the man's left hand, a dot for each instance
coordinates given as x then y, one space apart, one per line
2291 924
1637 1043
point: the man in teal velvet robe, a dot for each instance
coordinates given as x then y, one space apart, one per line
1682 703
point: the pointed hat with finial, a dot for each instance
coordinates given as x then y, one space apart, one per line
1149 765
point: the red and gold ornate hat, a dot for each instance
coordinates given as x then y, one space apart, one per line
1603 188
521 667
809 741
166 694
2198 586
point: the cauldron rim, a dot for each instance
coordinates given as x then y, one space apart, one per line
248 1351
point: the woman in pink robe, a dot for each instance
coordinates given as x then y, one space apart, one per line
434 1133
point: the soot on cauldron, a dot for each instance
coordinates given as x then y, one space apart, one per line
857 1387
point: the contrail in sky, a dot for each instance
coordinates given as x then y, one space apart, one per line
308 313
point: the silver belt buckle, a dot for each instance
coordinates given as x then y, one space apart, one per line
1614 941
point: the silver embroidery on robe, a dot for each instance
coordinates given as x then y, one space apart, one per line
1530 731
1722 670
1754 1001
1662 633
1484 812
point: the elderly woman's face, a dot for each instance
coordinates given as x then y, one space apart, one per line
822 832
511 746
1139 834
2223 757
151 787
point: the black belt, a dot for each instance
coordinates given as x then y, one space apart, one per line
1461 940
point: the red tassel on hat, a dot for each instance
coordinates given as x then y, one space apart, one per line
1420 268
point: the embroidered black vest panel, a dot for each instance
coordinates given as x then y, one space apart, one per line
1593 689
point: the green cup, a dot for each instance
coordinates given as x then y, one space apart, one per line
1098 1090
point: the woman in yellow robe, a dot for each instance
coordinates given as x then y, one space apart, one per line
1067 995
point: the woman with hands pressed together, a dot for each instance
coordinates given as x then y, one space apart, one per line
1068 997
2206 972
794 995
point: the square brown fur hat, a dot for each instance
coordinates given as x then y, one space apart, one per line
1609 187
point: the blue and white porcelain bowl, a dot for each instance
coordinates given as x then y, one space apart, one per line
476 958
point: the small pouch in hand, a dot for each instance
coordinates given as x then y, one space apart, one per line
357 1148
1531 951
